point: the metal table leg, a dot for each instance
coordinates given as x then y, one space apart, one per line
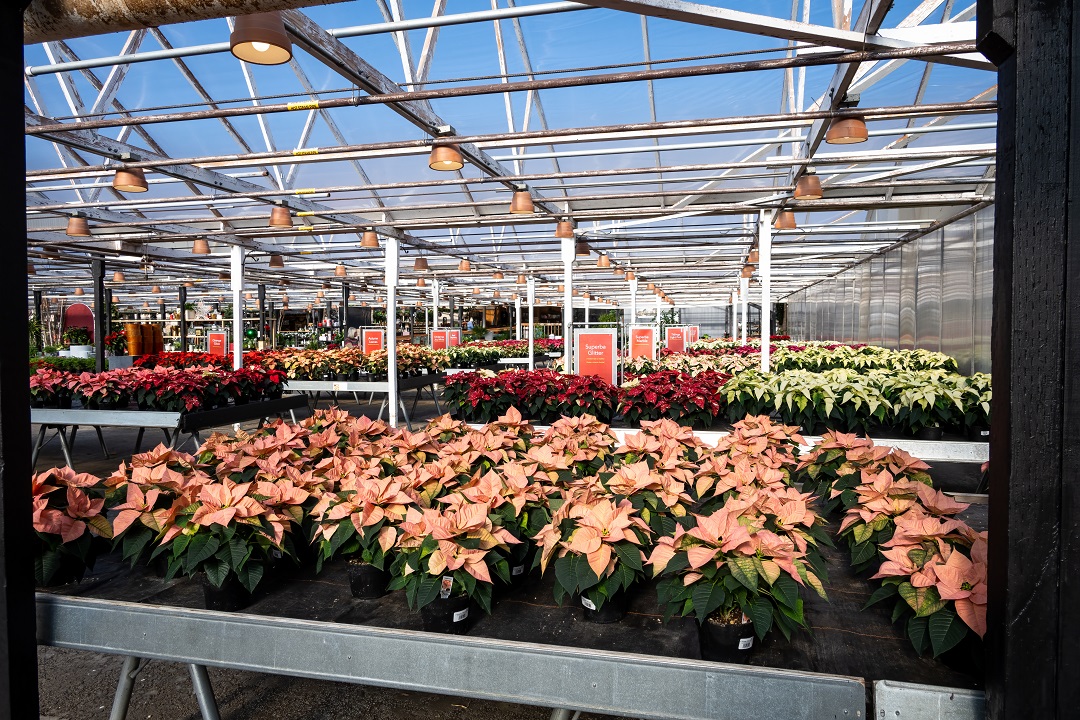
138 440
204 692
401 404
37 446
564 714
122 698
62 432
435 398
101 441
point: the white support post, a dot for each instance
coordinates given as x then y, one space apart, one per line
391 328
569 251
659 337
744 297
517 317
530 297
587 302
237 281
733 299
435 304
633 306
765 270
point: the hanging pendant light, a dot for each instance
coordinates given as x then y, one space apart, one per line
189 284
521 279
276 261
497 275
651 286
130 180
446 158
464 266
370 240
753 257
618 270
574 292
603 261
587 296
846 131
747 271
476 291
285 299
30 269
420 265
583 249
80 292
630 275
200 247
260 39
561 288
77 227
496 294
785 220
280 217
521 203
325 285
319 295
420 282
565 229
145 305
156 289
223 276
352 298
339 271
118 277
247 297
808 187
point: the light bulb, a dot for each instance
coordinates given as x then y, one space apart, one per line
260 46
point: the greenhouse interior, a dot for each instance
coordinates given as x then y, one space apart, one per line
691 417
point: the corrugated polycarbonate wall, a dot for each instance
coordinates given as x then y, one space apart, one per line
933 293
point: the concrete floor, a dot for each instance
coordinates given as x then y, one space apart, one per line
79 685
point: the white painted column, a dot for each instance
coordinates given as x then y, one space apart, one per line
587 302
391 327
659 336
530 298
237 280
435 304
765 270
633 306
744 297
569 251
733 299
517 317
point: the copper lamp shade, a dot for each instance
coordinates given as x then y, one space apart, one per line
130 180
325 286
785 220
280 217
521 279
603 261
630 275
446 157
587 296
496 294
352 298
420 282
420 265
476 291
846 131
370 240
78 227
156 289
145 305
319 295
261 39
118 277
223 276
565 229
200 247
747 271
522 203
276 261
753 257
497 275
79 291
562 288
30 269
651 286
618 270
247 296
189 284
339 271
808 187
582 249
285 299
464 266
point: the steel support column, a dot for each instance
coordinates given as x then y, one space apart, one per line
744 301
183 318
391 276
344 311
569 252
262 311
530 297
765 270
97 273
237 281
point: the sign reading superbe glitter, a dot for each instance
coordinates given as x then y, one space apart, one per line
596 353
643 342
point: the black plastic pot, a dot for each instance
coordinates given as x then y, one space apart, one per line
367 581
613 610
726 643
978 433
452 615
929 433
230 597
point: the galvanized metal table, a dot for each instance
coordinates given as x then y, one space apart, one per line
419 383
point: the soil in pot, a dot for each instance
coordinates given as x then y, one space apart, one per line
929 433
230 597
729 642
365 580
452 615
613 610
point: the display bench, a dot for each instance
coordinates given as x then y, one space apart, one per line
529 651
173 425
314 390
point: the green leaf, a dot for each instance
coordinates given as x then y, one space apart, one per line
201 547
743 570
786 590
925 601
863 552
629 554
761 612
707 596
917 633
946 630
586 578
216 572
427 589
566 572
251 575
883 592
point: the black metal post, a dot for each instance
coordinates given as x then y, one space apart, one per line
161 312
18 644
344 308
108 312
38 339
262 310
1033 657
97 271
273 325
183 319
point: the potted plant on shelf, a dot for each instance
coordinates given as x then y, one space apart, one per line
51 388
596 545
103 391
358 523
68 517
445 561
189 311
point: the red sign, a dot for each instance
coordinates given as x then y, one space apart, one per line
643 342
596 354
374 340
217 345
692 334
454 339
438 339
675 339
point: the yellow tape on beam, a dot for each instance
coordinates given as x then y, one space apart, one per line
306 151
304 105
305 213
305 191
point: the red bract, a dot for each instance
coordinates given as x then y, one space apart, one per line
695 400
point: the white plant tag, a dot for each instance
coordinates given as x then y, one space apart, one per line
517 570
588 603
461 615
447 585
984 433
746 643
